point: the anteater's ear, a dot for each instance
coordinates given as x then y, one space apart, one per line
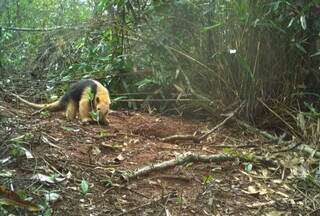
97 100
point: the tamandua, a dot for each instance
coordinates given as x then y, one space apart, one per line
82 97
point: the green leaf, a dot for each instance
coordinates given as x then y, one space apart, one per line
54 97
84 186
102 5
315 54
207 179
179 200
108 183
66 78
104 134
276 5
213 26
94 115
291 22
45 114
248 167
69 129
303 22
229 151
91 95
48 212
120 98
301 48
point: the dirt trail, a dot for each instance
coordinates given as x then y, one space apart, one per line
132 140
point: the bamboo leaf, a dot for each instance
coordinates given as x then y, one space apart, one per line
303 22
291 22
301 48
315 54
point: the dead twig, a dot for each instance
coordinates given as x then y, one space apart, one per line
228 116
175 178
165 209
250 145
47 141
261 204
181 137
38 111
111 147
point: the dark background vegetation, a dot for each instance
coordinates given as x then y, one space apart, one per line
198 58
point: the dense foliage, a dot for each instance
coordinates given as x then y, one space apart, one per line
217 53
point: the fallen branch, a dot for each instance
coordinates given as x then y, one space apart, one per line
196 138
187 158
256 130
291 144
307 149
175 178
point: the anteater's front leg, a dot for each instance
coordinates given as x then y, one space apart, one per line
72 110
84 110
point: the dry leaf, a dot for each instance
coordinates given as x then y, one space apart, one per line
43 178
5 160
119 158
27 153
252 190
5 173
51 197
260 204
95 150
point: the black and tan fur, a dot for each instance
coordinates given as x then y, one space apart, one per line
82 97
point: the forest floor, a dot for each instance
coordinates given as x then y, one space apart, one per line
69 152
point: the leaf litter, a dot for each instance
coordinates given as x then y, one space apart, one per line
93 157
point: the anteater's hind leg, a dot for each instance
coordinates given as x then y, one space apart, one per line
72 110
